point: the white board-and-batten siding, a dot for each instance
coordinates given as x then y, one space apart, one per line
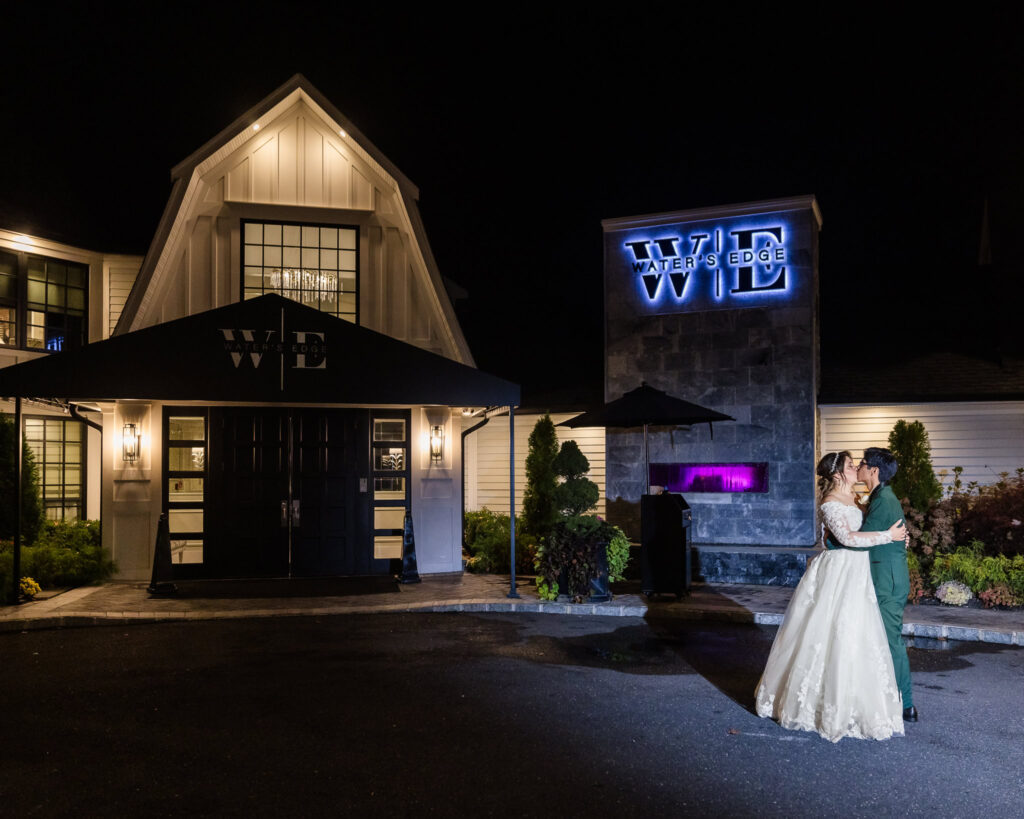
986 438
487 467
295 169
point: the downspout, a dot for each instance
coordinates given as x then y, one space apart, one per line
77 415
462 514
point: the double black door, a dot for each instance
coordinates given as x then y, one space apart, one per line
288 493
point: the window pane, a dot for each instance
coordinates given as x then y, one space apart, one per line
76 275
271 234
186 551
389 488
388 517
185 520
387 546
272 256
186 428
387 429
292 235
185 489
253 234
347 238
390 459
310 237
253 255
328 237
36 293
186 458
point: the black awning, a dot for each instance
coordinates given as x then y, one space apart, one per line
267 350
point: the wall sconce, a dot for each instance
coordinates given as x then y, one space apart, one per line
436 443
130 443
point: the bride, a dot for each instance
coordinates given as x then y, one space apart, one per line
830 669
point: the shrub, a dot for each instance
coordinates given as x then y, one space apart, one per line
576 494
31 502
572 547
918 589
995 515
487 541
539 508
1000 595
64 554
915 479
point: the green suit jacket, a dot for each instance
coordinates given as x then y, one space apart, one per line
883 511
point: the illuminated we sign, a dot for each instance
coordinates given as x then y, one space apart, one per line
707 265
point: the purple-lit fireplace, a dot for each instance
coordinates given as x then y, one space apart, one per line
739 477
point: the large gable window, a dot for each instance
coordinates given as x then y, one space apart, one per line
42 302
315 265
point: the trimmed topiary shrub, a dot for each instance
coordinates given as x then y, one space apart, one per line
540 511
915 479
576 494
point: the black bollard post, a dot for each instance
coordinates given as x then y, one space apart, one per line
409 572
162 571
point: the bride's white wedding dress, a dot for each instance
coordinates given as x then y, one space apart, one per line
830 669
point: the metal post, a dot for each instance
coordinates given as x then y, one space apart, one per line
18 486
512 495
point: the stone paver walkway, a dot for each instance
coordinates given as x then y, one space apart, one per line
122 603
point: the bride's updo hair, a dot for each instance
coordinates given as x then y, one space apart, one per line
828 467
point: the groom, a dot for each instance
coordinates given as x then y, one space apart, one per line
888 563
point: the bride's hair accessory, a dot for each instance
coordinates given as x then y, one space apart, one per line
835 458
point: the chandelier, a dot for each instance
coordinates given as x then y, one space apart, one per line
324 282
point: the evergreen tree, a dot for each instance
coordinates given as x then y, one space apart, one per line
539 510
915 479
576 494
31 502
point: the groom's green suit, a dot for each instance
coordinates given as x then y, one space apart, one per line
891 578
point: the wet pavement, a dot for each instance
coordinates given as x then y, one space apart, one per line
124 603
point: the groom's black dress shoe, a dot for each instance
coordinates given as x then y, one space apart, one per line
910 714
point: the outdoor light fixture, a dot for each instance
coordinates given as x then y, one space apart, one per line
436 443
130 443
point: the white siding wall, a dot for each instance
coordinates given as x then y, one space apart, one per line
296 169
985 438
120 278
487 460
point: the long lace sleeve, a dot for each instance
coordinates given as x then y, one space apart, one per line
837 520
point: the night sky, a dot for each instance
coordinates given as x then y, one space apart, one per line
523 129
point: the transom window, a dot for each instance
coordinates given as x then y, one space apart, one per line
42 302
315 265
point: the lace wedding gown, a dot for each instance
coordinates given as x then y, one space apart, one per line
830 669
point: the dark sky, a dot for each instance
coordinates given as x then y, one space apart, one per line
524 128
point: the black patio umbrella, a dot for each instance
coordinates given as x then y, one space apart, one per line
644 407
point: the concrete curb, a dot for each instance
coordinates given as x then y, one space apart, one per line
123 618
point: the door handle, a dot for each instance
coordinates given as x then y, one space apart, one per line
296 512
284 514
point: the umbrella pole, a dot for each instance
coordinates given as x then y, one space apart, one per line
647 466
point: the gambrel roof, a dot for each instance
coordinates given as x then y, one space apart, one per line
334 169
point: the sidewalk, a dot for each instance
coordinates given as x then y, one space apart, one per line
120 603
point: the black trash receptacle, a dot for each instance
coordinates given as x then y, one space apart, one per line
665 544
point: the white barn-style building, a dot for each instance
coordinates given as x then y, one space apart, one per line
285 377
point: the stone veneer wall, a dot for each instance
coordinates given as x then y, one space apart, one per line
759 365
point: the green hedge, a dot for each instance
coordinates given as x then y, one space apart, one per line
487 542
64 554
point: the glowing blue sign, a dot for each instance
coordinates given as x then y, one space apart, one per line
701 266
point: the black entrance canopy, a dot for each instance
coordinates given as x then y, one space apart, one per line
267 350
